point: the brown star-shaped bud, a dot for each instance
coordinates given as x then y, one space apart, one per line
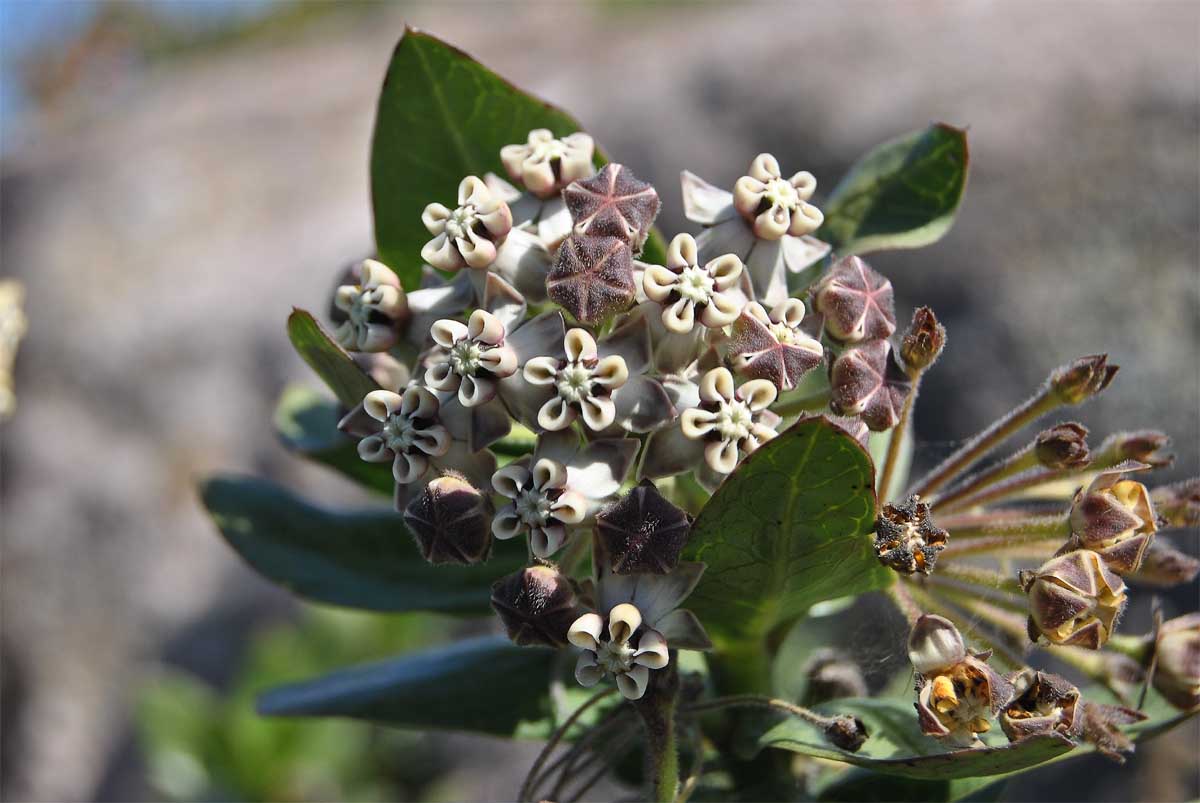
856 302
1063 446
772 345
867 382
642 533
451 522
537 606
1078 381
906 539
592 277
613 203
924 341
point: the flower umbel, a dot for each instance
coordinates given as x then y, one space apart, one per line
730 419
541 504
618 650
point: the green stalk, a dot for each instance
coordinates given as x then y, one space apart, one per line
657 710
896 443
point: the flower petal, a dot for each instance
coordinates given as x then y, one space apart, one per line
585 631
632 684
587 672
623 620
651 650
704 203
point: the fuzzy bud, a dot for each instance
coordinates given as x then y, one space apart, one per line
1115 518
592 277
1145 446
856 301
1063 446
906 539
642 533
613 203
924 341
1074 599
1178 505
451 522
1082 379
867 382
846 732
1041 703
1177 673
1163 566
537 606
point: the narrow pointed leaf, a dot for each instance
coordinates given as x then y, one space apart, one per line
343 376
306 423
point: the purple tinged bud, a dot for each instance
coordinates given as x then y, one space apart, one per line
613 203
537 606
1177 673
642 533
906 539
1074 599
1082 379
1063 446
868 383
1178 505
1115 518
451 522
1163 565
592 277
856 302
924 341
1145 446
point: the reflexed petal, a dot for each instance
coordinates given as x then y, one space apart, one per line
732 236
358 423
585 632
541 371
717 385
431 304
631 341
373 450
548 474
721 456
555 414
642 405
704 203
696 423
441 376
380 404
579 345
499 298
477 465
653 595
632 684
758 394
555 223
610 372
623 620
768 272
524 262
651 650
545 541
587 672
510 480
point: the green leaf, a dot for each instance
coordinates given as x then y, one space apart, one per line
441 116
358 559
343 376
486 685
306 423
788 529
903 194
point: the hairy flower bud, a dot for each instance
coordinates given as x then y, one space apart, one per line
856 302
772 346
1178 505
613 203
592 277
846 732
1078 381
546 164
537 606
924 340
1115 518
451 521
1041 703
1163 565
906 539
642 532
1177 671
1063 446
831 675
1074 599
867 382
1144 446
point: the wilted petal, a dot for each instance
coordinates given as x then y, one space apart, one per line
934 643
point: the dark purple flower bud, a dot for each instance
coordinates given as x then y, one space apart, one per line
1101 728
1074 599
867 382
1041 703
592 277
846 732
537 606
772 345
1177 672
906 539
1063 446
832 675
856 302
1163 565
1082 379
451 521
1115 518
1178 505
642 533
924 340
1145 446
613 203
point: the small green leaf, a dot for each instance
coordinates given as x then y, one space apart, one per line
358 560
441 116
788 529
486 685
903 194
343 376
306 422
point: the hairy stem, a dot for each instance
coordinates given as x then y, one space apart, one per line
898 594
657 710
1033 528
896 443
1016 463
555 738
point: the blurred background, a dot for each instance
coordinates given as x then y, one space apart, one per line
174 176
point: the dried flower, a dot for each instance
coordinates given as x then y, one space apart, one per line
729 419
1178 504
470 235
369 308
1101 728
469 359
923 342
1063 446
1074 599
774 347
856 302
906 539
583 383
613 203
682 287
592 277
1082 379
1144 446
537 606
1115 518
643 532
451 521
1177 665
867 382
776 206
541 504
545 164
406 431
957 692
1041 703
846 732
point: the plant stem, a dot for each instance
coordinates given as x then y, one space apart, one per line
1019 461
1032 409
1031 528
759 701
657 710
896 443
555 738
898 594
804 404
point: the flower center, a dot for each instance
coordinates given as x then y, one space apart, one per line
399 433
574 382
959 698
780 192
533 507
545 151
733 420
782 333
615 657
464 357
460 222
695 285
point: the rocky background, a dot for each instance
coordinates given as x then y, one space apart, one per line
176 186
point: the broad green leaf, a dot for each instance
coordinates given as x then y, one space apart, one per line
343 376
354 559
306 422
441 116
788 529
903 194
486 685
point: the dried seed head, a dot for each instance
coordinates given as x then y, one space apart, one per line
1101 728
906 539
1145 446
1063 446
1163 565
1078 381
1041 703
1178 505
856 302
867 382
1177 674
613 203
592 277
545 164
924 340
1115 518
642 532
451 521
832 675
537 606
1074 599
846 732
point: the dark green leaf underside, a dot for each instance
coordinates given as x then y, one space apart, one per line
343 376
306 423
